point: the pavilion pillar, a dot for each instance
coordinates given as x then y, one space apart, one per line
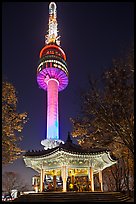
91 179
64 177
100 180
73 179
41 180
54 182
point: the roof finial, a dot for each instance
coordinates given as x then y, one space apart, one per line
69 138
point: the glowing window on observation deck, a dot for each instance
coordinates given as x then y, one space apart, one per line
44 50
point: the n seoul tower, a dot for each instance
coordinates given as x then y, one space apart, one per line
52 76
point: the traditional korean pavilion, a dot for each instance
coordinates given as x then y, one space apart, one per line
66 163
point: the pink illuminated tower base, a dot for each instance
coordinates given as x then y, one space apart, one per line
52 76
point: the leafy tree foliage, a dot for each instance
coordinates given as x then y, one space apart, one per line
107 118
108 113
12 122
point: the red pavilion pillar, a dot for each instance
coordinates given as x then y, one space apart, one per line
54 181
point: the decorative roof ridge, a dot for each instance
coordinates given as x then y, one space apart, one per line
75 148
70 147
112 157
40 152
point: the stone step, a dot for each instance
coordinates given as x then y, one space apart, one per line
73 197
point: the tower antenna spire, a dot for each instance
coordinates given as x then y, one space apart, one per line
52 36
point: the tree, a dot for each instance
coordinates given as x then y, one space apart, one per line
13 181
107 118
120 177
12 122
108 113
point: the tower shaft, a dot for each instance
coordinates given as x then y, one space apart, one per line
52 110
52 76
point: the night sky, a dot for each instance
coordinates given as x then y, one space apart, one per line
92 34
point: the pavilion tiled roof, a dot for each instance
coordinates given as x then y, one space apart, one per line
68 146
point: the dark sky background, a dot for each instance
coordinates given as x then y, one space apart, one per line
92 34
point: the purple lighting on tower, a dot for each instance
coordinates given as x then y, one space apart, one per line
52 76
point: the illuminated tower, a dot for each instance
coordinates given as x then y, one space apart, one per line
52 76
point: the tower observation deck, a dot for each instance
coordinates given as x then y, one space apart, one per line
52 76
